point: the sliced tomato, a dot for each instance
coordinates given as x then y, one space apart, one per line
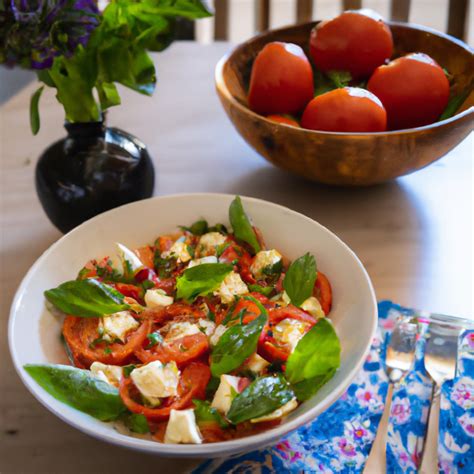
183 350
132 291
213 433
192 384
323 292
268 347
81 334
235 253
292 312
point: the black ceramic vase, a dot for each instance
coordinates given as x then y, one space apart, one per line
93 169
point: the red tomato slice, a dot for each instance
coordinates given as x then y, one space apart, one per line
323 292
192 384
132 291
268 347
237 253
182 351
80 333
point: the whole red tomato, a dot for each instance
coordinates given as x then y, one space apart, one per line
413 89
349 109
281 81
355 41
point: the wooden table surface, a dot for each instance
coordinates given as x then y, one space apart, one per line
414 235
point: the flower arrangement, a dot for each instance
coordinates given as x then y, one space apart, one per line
83 52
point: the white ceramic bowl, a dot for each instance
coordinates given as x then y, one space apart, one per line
34 333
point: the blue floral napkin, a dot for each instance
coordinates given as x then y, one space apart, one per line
456 418
339 440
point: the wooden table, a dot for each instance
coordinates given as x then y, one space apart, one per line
414 235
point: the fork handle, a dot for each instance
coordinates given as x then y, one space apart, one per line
376 462
429 460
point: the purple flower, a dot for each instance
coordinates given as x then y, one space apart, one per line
34 32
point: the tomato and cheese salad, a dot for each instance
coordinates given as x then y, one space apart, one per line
206 335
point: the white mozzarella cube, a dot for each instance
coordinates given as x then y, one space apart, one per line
178 250
278 413
181 329
208 243
128 255
231 287
155 298
225 393
155 380
117 325
313 307
263 259
112 374
182 428
289 332
201 261
256 363
207 327
217 334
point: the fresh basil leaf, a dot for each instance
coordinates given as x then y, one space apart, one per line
264 290
127 369
200 227
79 389
453 106
316 354
300 278
305 389
237 344
241 225
212 387
221 228
274 269
87 298
261 397
137 423
201 280
34 111
154 339
205 413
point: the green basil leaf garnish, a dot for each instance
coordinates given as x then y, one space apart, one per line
127 369
300 278
154 339
201 280
87 298
235 345
205 413
316 354
199 227
79 389
241 225
264 290
261 397
137 423
305 389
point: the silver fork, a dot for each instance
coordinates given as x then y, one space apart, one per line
440 363
399 360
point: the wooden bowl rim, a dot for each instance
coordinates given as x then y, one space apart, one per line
223 89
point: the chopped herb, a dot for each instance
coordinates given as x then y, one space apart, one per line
164 266
137 423
127 369
221 228
191 250
108 351
155 338
198 228
211 316
264 290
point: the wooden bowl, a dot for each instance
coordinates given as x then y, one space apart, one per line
356 159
